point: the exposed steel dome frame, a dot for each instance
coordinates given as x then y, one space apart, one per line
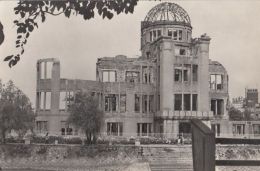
168 12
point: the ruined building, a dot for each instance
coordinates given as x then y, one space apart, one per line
154 95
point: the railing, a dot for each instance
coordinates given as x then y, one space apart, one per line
204 144
185 114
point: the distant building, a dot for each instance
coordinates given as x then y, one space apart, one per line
238 103
154 95
251 98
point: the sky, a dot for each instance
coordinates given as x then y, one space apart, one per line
234 28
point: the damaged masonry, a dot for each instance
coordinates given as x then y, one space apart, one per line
156 94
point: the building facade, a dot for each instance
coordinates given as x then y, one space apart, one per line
156 94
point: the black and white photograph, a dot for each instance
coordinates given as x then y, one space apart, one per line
129 85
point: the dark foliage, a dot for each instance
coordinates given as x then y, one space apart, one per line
86 115
32 12
16 112
235 114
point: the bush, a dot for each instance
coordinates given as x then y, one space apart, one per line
14 140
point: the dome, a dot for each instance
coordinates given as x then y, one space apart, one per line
168 12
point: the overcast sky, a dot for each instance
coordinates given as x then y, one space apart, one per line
234 27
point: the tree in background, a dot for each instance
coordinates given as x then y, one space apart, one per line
235 114
86 115
31 12
16 112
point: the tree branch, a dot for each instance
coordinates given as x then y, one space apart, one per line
54 14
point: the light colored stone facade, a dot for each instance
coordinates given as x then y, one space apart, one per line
153 95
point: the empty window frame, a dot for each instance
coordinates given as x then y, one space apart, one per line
144 129
175 35
41 99
159 33
151 36
238 129
217 106
122 103
145 103
177 74
187 102
216 81
42 126
44 100
194 72
170 33
219 82
178 102
194 102
111 103
48 101
63 100
256 129
185 75
147 76
216 129
115 128
132 76
182 51
109 76
66 129
69 98
154 35
180 34
151 103
137 102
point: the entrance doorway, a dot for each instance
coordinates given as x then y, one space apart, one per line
185 129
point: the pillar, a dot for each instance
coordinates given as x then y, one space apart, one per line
203 71
54 122
166 75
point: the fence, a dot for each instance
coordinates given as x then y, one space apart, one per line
204 144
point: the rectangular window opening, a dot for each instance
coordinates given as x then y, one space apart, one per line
178 102
187 101
132 76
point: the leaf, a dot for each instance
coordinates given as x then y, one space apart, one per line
67 13
8 58
22 14
22 51
21 30
17 58
19 37
109 15
17 46
27 35
30 28
43 17
17 41
12 63
36 25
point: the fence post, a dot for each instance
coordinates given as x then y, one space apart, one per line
203 146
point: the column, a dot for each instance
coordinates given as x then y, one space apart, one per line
216 107
141 129
165 128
